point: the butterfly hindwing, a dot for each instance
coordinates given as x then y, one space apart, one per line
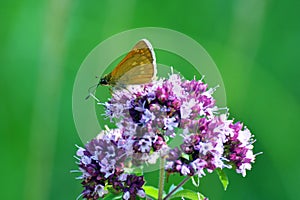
138 75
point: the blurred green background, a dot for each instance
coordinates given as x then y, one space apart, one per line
254 43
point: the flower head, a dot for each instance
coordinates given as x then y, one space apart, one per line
148 117
102 164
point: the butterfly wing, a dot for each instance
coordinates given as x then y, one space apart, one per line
138 67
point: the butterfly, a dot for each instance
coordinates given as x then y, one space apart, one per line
138 67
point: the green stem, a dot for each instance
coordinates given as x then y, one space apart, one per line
161 178
177 187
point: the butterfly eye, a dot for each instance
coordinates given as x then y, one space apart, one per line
103 81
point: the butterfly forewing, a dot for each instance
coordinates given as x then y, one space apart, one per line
138 67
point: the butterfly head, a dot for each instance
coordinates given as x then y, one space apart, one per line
105 80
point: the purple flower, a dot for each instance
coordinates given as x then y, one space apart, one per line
239 148
148 117
156 109
102 163
133 187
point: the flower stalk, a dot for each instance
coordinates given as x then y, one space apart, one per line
177 187
161 178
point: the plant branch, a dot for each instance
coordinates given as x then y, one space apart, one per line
177 187
161 178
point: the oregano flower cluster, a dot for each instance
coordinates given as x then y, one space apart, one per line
148 118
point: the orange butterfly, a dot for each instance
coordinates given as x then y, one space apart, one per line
138 67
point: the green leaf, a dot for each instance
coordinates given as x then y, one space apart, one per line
138 171
188 194
223 178
151 191
112 196
173 187
186 156
112 193
117 197
196 184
